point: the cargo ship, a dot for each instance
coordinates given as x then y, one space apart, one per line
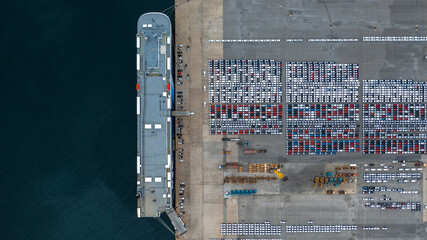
154 103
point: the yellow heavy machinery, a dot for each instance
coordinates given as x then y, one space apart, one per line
316 181
226 152
325 181
344 180
279 175
321 181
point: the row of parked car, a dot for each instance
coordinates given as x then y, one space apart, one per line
413 206
181 198
180 67
322 133
389 134
372 189
179 125
385 177
320 228
381 199
250 229
374 228
179 139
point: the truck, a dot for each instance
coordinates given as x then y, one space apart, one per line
244 143
420 164
342 192
330 192
262 151
231 139
231 165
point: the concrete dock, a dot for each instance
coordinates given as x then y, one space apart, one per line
199 22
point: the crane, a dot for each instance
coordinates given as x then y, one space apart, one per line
326 181
339 182
344 180
330 180
316 180
321 181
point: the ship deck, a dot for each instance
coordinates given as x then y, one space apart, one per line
154 126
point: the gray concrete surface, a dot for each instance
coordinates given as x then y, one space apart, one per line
295 200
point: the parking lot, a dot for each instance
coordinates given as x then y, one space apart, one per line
400 90
317 141
381 197
245 81
246 119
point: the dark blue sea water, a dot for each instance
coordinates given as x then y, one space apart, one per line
68 121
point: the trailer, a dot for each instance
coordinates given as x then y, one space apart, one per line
232 165
253 151
250 151
231 139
